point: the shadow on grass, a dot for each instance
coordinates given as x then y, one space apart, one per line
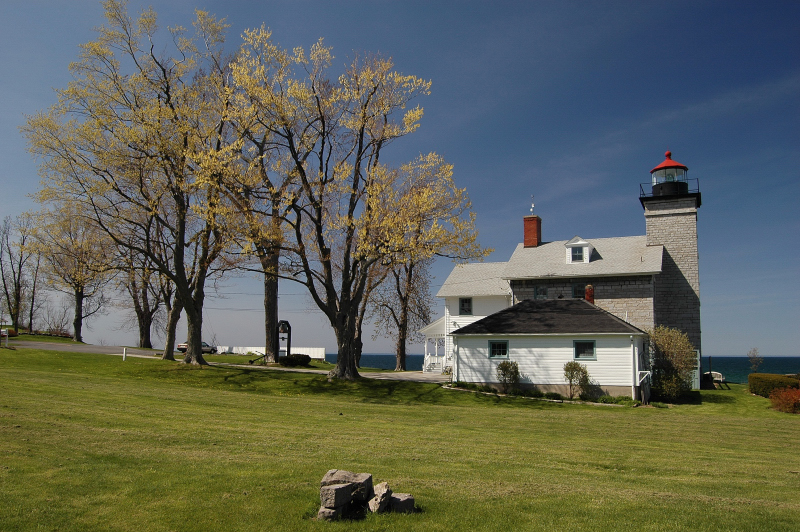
363 390
698 398
718 399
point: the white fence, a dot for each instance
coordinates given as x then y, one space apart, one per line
317 353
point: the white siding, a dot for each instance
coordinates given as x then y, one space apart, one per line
541 359
481 307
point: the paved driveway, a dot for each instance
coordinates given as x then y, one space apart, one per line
414 376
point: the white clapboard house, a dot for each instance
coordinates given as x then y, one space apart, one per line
562 297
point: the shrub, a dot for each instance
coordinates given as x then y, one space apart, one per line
508 375
786 400
578 378
673 358
534 392
764 383
554 395
529 392
293 360
615 400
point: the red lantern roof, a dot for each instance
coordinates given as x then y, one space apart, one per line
669 163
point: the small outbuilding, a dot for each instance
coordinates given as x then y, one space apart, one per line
543 335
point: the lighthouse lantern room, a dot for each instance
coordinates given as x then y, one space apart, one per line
669 177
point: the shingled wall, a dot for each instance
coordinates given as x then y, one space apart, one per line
673 224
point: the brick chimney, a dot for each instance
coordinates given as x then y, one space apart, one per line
589 294
532 231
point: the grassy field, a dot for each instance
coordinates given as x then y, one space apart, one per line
88 442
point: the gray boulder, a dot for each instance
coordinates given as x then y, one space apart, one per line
329 514
380 502
362 482
336 495
402 503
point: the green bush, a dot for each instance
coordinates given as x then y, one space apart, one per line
618 400
786 400
577 376
529 392
554 395
764 383
673 359
508 375
294 360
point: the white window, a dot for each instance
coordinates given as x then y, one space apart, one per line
577 254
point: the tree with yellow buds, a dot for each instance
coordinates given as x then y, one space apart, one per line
347 213
75 260
140 140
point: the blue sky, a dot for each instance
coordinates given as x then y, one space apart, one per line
573 102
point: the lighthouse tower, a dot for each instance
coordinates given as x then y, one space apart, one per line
670 212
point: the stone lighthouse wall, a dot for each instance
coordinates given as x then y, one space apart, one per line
676 299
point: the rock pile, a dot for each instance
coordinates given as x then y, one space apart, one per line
347 494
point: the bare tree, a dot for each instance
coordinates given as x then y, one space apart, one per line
139 279
755 359
403 305
17 268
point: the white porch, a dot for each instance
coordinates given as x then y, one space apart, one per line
437 359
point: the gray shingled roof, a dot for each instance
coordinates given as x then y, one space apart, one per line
626 255
550 316
476 279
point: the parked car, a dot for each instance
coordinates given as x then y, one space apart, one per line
205 348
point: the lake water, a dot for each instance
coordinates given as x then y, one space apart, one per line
383 361
736 369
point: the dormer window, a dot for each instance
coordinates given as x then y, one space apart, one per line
579 251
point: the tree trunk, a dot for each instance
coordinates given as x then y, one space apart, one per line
269 264
145 324
402 323
17 302
345 368
194 332
77 322
172 324
358 347
401 350
144 314
33 295
345 340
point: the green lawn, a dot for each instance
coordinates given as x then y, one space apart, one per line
88 442
43 338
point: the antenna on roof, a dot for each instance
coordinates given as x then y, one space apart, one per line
532 204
